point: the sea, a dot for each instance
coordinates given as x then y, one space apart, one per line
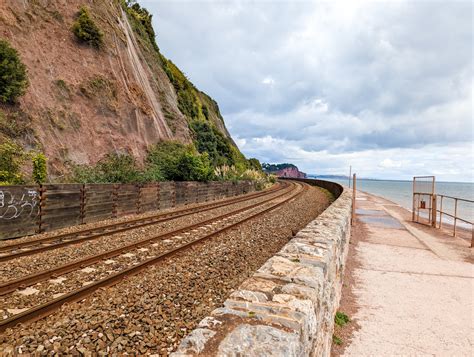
401 192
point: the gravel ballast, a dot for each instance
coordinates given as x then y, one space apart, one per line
152 311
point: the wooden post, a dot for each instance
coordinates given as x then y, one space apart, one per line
413 201
158 198
42 203
353 198
139 197
83 202
173 198
115 200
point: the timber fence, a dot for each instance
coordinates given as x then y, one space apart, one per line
27 210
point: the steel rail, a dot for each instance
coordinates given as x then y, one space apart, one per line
34 278
97 232
45 309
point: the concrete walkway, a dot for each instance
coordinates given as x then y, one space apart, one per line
413 287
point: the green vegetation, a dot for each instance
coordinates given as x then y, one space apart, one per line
341 319
336 340
11 159
86 30
165 161
113 168
39 168
276 167
102 91
142 21
254 164
13 76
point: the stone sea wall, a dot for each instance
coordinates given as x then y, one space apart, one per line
287 307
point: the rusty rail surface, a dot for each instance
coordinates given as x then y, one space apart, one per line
45 309
62 240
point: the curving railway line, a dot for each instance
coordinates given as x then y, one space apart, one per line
84 276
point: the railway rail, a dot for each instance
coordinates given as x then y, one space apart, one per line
16 250
146 256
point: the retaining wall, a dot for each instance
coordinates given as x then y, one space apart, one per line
287 307
26 210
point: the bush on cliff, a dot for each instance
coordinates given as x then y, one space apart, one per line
86 30
13 76
113 168
39 168
11 159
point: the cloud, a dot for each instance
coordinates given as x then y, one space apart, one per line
348 81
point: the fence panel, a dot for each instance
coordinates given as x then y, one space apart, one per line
61 206
167 194
98 202
19 210
149 198
181 190
25 210
126 199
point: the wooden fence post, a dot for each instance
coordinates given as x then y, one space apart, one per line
42 203
139 197
173 197
115 201
83 202
158 197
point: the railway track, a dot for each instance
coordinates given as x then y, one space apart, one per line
146 252
13 251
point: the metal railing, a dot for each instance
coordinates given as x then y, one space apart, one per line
454 216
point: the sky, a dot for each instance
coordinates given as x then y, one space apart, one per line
384 86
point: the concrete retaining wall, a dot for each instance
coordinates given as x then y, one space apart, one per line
287 307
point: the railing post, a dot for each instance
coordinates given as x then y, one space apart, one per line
441 213
433 209
455 215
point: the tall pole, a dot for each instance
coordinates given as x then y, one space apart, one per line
350 174
353 198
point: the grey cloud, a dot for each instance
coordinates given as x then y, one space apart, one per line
393 74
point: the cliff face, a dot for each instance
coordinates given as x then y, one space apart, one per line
283 170
290 172
84 102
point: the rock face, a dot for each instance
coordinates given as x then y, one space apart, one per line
284 170
292 172
287 307
84 102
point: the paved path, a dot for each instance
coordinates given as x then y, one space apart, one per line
413 287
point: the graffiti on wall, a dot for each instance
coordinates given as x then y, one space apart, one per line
20 204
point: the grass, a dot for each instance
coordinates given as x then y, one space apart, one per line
341 319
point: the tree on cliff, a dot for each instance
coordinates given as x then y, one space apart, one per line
13 79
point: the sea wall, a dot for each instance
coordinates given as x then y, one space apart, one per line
287 307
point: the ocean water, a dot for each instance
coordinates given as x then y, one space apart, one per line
401 192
